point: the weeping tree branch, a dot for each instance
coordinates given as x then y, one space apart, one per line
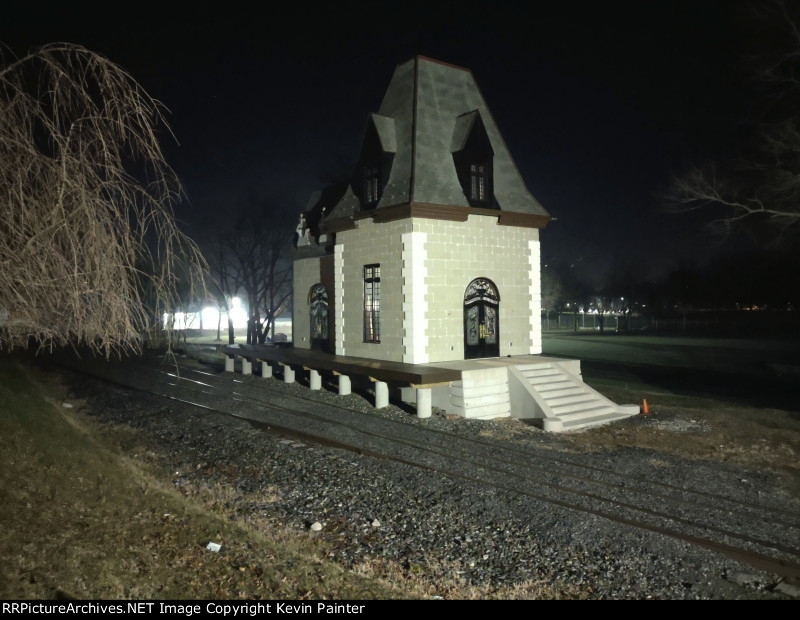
90 253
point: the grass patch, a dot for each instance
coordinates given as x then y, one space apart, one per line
758 438
81 519
721 399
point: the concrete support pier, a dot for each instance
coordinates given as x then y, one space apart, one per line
229 363
266 370
381 395
424 402
288 373
314 379
344 385
247 366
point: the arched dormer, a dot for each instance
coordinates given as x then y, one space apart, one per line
375 163
474 157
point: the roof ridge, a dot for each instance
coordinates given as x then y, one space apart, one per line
441 62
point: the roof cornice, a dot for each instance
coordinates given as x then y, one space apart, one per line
436 212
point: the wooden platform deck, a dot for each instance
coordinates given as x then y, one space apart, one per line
414 375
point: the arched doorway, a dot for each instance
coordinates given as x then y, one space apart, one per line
481 319
318 317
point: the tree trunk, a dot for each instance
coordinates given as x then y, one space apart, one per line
262 336
258 331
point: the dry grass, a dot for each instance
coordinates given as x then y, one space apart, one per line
436 579
82 520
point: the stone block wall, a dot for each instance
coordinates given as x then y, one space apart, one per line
459 252
426 266
306 274
370 244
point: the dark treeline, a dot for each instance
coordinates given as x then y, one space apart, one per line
753 281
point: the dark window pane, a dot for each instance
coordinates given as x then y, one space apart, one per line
372 303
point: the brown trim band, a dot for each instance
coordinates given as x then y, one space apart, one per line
420 209
525 220
430 211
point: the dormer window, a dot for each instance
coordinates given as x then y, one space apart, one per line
377 153
478 182
473 157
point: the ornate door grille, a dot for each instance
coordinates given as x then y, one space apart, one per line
318 314
481 319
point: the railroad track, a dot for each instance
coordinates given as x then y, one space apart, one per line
699 517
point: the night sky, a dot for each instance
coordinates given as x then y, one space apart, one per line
599 103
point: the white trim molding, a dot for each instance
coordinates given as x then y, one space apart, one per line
415 304
338 296
535 307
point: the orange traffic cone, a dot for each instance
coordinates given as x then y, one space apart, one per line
645 410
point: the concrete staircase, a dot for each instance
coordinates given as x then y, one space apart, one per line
552 392
528 387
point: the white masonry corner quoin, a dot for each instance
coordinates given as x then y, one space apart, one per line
415 304
338 272
535 310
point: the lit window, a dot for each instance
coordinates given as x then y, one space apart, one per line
372 303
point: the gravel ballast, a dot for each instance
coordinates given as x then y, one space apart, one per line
362 507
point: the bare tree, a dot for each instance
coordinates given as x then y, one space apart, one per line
260 250
759 188
748 194
226 278
552 292
251 259
90 253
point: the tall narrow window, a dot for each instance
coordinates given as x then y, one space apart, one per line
372 303
370 185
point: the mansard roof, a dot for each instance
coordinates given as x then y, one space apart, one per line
426 115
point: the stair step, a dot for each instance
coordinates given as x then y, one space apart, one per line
540 372
587 414
567 391
568 400
553 385
590 400
545 379
527 367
